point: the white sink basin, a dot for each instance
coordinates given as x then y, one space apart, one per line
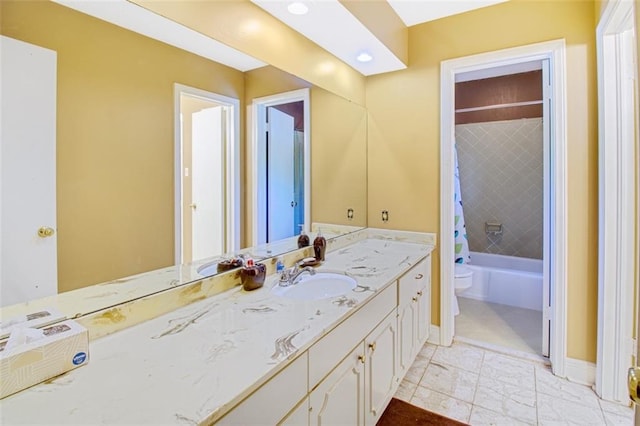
208 269
322 285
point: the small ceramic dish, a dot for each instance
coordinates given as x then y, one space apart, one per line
309 261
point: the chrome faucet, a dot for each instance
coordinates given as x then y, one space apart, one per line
289 276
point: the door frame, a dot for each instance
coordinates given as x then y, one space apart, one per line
232 166
255 111
554 51
617 247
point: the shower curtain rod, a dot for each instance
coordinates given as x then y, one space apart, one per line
514 104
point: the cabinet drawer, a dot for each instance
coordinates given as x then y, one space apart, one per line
410 283
271 402
333 347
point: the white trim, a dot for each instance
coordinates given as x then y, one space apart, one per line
254 111
580 371
555 52
498 106
434 335
616 248
546 207
232 178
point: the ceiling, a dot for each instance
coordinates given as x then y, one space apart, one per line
328 23
413 12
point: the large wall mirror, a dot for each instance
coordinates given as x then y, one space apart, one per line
115 149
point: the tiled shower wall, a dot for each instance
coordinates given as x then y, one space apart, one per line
501 179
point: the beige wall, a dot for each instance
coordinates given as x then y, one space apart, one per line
115 138
404 133
338 159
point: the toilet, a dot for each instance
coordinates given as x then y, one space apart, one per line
463 278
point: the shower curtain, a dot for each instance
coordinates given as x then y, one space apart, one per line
461 242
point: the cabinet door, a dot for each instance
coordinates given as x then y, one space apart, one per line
381 368
339 398
298 416
407 319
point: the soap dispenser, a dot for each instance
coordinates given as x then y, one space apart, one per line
303 239
253 275
319 246
228 264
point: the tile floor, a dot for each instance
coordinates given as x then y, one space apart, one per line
502 325
483 387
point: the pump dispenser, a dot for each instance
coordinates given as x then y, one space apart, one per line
253 275
319 246
303 239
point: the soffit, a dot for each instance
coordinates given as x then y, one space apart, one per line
328 24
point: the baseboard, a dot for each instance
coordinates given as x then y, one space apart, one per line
434 335
580 371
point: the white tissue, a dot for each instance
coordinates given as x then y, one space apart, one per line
23 336
12 321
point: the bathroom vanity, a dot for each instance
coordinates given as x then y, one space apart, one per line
256 357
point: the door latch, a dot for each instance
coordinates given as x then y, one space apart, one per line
45 232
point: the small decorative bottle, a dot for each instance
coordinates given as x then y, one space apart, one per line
228 264
319 246
253 275
303 239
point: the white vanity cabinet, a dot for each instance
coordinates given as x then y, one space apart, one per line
414 313
353 371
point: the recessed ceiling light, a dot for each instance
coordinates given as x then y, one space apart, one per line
364 57
297 8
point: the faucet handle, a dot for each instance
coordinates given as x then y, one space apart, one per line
287 273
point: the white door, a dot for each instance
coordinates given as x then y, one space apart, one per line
280 176
207 190
28 261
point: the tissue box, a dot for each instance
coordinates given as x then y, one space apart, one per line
63 347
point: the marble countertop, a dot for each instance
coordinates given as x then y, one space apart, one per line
192 365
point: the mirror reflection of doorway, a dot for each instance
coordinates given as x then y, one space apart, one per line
284 212
204 147
281 172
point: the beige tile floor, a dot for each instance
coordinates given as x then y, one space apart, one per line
501 325
483 387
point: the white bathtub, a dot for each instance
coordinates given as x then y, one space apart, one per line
507 280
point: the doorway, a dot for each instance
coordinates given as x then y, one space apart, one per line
555 244
280 153
502 143
206 174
